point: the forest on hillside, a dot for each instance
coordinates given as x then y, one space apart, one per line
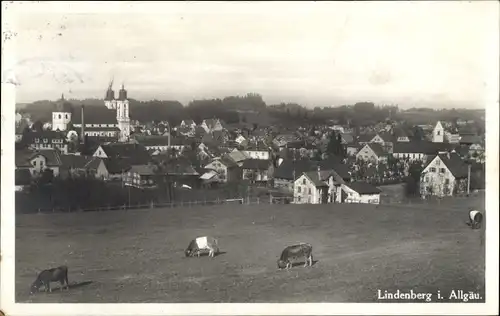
251 108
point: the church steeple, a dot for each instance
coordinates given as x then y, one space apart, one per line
122 94
110 94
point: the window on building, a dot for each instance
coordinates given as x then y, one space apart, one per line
438 133
37 140
304 181
59 116
34 163
66 116
309 191
426 179
447 181
299 189
442 170
45 140
433 169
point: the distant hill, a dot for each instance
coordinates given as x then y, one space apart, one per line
251 109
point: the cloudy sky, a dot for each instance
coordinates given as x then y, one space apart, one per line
318 54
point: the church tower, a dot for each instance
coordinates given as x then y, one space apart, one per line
61 117
122 114
438 133
109 99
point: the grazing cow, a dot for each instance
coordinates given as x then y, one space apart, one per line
295 252
51 275
196 246
475 219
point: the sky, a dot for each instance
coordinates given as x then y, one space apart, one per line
442 54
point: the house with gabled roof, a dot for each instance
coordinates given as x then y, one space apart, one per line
77 165
213 124
444 175
359 192
37 161
238 156
413 150
135 153
47 140
317 187
372 152
257 150
188 124
256 170
289 170
226 170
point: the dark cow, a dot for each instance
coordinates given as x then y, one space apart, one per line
59 274
475 219
302 250
199 244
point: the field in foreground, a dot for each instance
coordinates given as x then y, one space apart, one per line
137 256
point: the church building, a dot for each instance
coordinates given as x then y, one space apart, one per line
111 121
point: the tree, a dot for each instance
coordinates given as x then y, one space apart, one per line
335 147
37 126
412 182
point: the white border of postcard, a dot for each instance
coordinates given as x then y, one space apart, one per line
7 303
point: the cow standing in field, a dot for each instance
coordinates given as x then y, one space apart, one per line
59 274
294 252
199 244
475 219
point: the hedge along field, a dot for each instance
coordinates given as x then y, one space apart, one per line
137 256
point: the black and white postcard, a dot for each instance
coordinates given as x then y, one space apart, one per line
249 158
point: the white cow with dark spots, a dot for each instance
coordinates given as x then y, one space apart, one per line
475 219
200 244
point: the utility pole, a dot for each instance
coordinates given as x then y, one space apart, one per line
468 178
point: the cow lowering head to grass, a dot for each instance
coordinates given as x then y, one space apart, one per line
59 274
475 219
201 244
302 250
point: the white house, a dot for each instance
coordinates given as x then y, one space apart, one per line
372 152
317 187
241 140
256 170
226 169
443 175
359 192
438 133
36 162
257 150
413 151
188 123
452 138
211 125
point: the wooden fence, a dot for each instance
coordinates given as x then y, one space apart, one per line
240 201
